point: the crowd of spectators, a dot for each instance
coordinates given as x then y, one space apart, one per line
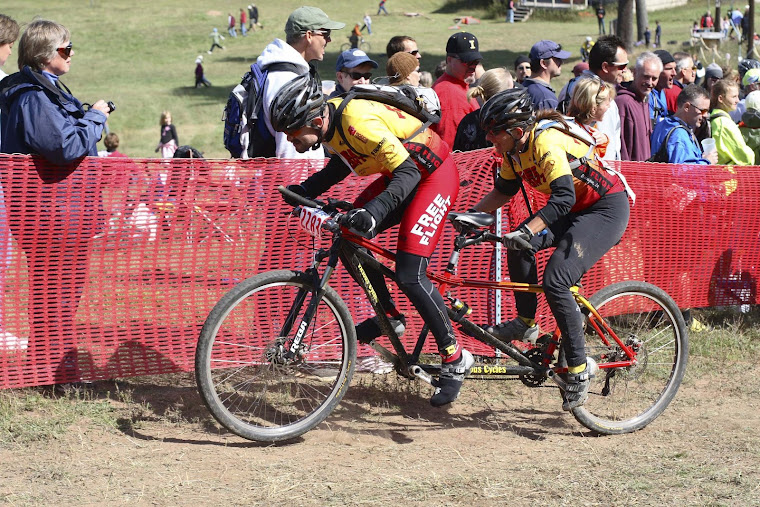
653 106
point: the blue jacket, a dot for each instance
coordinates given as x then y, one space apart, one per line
683 147
38 118
543 95
658 105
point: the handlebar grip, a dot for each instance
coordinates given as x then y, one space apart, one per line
298 198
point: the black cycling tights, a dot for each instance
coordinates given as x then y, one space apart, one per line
411 278
581 239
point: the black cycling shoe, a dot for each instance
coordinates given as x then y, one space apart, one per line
576 393
370 328
450 380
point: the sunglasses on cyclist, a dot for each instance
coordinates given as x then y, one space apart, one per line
358 75
65 52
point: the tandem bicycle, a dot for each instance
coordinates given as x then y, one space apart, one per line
278 351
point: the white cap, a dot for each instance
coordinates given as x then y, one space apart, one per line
752 101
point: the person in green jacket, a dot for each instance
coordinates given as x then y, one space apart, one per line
732 149
750 124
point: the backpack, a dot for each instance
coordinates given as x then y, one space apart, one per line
662 153
245 136
564 104
588 168
404 98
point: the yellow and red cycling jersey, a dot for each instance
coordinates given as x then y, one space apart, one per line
373 139
545 159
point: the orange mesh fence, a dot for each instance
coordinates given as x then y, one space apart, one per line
109 267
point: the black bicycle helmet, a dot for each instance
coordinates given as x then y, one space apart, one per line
297 103
746 64
507 109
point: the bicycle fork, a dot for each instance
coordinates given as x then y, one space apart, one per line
311 310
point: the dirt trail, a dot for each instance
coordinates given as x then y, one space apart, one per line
500 442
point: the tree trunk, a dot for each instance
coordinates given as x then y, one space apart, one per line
642 20
751 30
625 22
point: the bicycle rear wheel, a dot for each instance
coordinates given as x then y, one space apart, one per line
242 373
644 317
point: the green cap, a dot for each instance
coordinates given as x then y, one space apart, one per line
304 19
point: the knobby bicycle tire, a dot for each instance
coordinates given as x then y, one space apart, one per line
623 400
245 387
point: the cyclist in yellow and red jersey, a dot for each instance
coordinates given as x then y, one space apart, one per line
585 216
418 186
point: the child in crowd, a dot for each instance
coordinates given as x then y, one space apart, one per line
169 141
728 138
111 142
200 77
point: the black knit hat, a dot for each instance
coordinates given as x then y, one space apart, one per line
665 56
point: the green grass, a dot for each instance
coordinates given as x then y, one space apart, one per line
141 54
28 415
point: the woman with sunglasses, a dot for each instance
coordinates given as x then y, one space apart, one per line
585 216
52 222
41 115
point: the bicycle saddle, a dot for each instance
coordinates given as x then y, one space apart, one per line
476 219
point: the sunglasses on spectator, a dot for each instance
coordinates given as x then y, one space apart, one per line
619 65
472 64
414 53
324 33
358 75
702 112
65 52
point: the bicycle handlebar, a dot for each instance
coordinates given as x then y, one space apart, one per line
299 198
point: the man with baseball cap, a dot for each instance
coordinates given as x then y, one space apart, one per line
353 67
307 32
462 58
545 63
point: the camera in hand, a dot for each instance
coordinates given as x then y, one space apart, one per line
111 107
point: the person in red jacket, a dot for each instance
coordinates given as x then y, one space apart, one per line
462 58
686 74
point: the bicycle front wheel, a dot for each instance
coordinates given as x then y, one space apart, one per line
645 318
364 46
244 371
